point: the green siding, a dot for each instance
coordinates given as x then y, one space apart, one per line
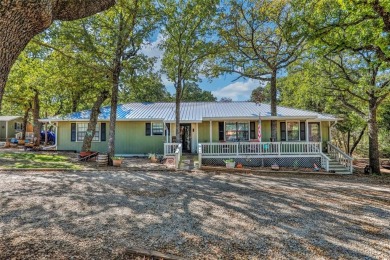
11 129
215 126
64 143
325 131
265 130
129 139
204 132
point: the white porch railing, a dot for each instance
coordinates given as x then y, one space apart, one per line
29 135
325 161
340 156
257 148
170 148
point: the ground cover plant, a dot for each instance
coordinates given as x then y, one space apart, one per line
35 160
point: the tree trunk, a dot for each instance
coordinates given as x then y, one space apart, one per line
36 123
177 111
116 71
357 141
21 20
102 96
25 121
348 142
373 146
274 126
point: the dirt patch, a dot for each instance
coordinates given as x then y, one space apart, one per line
359 164
194 215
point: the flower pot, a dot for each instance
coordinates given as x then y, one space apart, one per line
116 163
230 165
153 159
239 165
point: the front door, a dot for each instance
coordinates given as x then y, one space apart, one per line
185 134
314 132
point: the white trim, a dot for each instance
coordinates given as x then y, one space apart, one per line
56 138
197 137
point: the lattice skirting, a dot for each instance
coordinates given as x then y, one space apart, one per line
300 162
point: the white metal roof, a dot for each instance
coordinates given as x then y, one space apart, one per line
9 118
195 112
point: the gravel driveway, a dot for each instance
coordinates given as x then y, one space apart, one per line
196 215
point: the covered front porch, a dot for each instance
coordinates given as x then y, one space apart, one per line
265 154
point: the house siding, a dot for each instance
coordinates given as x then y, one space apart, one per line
64 143
130 138
11 129
325 131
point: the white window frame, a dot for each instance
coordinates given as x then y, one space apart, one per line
151 129
299 130
99 126
20 128
235 122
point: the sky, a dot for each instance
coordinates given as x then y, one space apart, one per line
223 86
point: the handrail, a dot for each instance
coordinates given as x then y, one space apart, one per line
178 153
339 151
200 155
327 159
170 148
340 156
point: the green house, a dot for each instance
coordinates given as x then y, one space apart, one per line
10 126
212 130
145 127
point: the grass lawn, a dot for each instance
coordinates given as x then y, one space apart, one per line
35 160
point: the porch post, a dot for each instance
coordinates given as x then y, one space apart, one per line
56 138
211 132
307 130
6 131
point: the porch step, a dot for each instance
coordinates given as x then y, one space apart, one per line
337 167
188 162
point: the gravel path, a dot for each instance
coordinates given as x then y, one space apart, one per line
79 215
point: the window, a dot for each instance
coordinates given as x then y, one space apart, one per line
236 131
154 129
157 128
18 126
82 130
293 131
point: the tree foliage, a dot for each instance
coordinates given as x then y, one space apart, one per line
260 39
187 31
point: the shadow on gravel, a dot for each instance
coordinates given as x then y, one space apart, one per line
193 215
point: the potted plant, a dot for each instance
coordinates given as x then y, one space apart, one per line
117 161
230 163
152 157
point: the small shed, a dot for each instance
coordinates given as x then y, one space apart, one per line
10 126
